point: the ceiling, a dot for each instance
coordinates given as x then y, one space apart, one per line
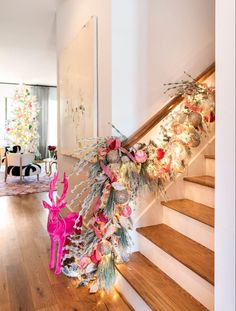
28 41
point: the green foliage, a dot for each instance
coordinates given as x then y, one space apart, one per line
107 272
109 210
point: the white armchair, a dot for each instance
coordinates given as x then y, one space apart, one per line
21 165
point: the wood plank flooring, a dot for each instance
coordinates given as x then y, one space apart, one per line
26 283
193 255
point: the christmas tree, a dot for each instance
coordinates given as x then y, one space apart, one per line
22 128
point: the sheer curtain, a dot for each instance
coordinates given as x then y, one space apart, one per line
42 94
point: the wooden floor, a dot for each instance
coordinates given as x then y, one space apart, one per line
26 283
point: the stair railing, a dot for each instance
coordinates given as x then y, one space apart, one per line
161 114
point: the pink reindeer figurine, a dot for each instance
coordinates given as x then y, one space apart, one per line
58 227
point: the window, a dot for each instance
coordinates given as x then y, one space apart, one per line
6 94
52 117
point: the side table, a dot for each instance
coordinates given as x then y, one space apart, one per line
48 165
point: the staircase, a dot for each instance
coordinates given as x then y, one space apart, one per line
174 268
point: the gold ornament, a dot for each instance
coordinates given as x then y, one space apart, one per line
113 156
181 118
195 139
121 196
195 118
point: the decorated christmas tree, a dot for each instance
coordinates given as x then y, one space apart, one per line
22 128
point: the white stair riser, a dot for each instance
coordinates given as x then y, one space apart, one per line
130 294
199 193
210 167
199 288
189 227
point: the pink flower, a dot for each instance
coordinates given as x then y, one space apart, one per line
113 144
140 156
127 211
51 148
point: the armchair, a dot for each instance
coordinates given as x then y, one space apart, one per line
2 155
21 165
4 150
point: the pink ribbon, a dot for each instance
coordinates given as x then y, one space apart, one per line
95 205
96 231
113 144
108 172
128 154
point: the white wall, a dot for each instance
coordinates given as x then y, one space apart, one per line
71 16
27 41
154 42
225 156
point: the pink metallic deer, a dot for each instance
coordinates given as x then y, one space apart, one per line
58 228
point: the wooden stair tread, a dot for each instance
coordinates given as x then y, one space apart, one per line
195 210
156 288
205 180
193 255
210 156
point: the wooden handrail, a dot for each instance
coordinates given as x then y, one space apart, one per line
161 114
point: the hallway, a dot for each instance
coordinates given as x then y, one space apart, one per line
26 283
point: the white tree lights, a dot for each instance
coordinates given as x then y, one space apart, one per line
22 128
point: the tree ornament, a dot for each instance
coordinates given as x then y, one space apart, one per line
125 159
210 118
121 197
126 211
113 156
140 156
182 118
160 153
194 118
195 138
105 247
178 128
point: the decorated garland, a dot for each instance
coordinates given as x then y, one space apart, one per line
111 178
